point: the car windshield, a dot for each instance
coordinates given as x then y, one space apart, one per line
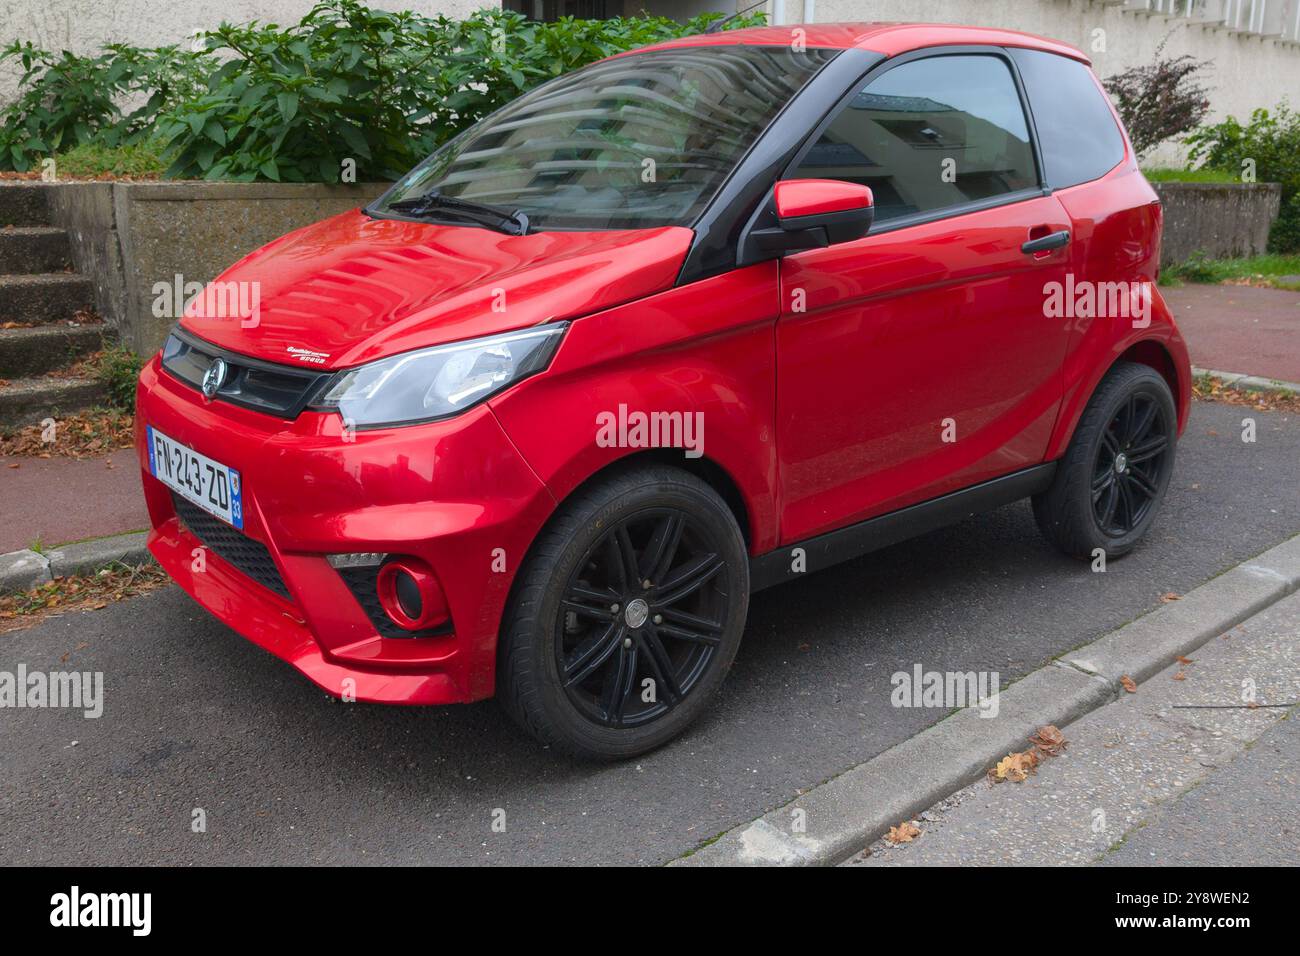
628 143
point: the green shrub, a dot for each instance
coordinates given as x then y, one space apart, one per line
117 370
1270 143
66 100
383 89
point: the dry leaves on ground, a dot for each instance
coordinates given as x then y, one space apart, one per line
1048 741
905 832
83 435
77 593
1211 388
1129 686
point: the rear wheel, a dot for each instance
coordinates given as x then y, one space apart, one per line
626 616
1113 477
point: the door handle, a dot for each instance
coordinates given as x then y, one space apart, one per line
1047 243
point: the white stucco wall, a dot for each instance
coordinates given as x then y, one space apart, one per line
83 26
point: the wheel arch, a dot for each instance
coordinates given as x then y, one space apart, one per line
707 469
1155 353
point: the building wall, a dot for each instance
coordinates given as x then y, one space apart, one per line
1250 69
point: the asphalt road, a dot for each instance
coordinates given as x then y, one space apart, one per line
196 717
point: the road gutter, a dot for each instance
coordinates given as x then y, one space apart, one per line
837 818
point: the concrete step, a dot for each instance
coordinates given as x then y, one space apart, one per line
43 348
24 204
45 298
30 249
25 401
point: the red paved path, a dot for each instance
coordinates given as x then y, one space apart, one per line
1233 328
59 499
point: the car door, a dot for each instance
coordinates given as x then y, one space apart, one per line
920 359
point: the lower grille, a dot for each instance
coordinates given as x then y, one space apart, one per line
233 546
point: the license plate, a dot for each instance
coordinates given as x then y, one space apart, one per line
212 486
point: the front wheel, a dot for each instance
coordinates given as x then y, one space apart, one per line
626 616
1113 477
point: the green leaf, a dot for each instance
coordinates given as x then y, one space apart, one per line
288 105
214 131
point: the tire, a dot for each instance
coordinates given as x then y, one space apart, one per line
1109 461
560 617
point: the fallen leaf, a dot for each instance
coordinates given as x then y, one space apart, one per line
1049 740
1180 676
905 832
1015 767
1185 660
1129 686
1168 596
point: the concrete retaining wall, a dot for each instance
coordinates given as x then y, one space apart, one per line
128 236
1220 220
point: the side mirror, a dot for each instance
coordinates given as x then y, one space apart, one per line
813 213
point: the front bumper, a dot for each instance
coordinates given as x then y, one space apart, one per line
454 493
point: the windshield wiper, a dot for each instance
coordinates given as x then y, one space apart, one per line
510 221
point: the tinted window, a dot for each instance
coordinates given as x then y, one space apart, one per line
631 142
928 135
1076 130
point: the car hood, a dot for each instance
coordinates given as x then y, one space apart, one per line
352 289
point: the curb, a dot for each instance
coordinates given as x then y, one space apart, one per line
20 570
1244 382
850 811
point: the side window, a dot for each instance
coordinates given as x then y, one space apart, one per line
929 135
1076 129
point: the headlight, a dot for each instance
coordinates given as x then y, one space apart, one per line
434 383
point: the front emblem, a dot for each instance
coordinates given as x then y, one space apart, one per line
214 378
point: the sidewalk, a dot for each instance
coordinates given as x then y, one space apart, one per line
1177 773
1233 328
57 500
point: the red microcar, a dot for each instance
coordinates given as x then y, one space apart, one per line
687 323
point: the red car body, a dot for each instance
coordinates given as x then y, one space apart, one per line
938 304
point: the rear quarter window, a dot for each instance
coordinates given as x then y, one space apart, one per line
1077 133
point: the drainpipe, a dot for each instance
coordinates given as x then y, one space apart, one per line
778 12
809 11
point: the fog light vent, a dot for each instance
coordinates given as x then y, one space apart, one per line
410 594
